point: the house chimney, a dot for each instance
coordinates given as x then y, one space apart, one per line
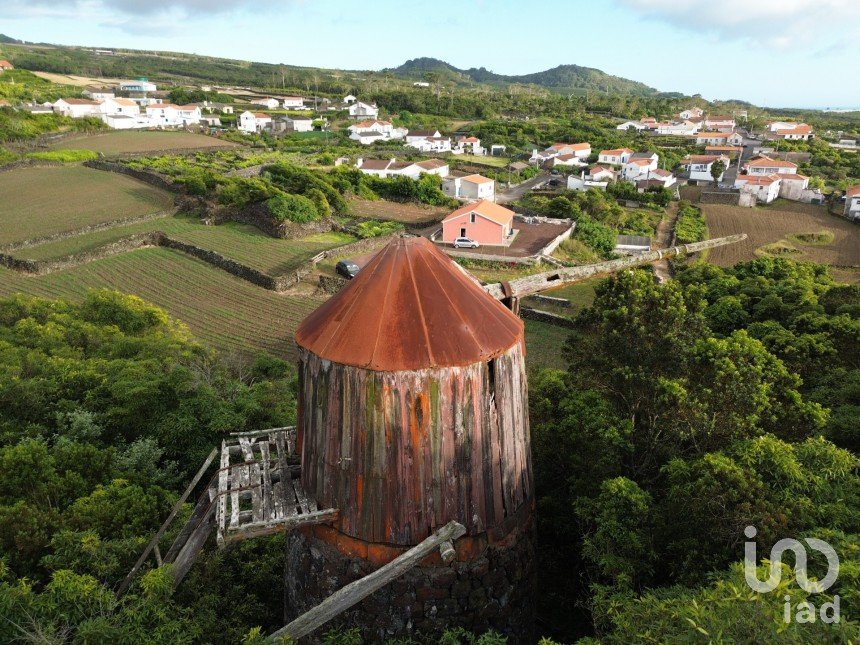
359 162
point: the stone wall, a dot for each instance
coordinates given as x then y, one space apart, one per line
331 284
546 317
713 197
44 267
17 246
492 588
146 176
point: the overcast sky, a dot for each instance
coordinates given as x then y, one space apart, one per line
799 53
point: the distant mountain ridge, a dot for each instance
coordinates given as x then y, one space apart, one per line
561 78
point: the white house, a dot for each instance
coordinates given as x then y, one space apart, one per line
386 168
584 181
720 123
792 186
299 123
795 132
469 145
852 203
124 107
712 138
762 165
616 156
600 173
639 165
657 177
77 108
349 99
125 122
252 122
680 129
414 136
366 137
267 102
764 187
362 110
636 125
420 84
691 113
428 141
293 103
434 167
98 93
700 166
580 150
367 132
568 159
138 86
469 187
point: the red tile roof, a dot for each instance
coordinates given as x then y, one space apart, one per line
494 212
852 191
476 179
616 152
767 162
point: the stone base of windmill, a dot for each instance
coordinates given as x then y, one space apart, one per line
490 585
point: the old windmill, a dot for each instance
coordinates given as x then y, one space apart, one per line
409 471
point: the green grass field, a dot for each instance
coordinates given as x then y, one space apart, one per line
37 202
133 141
543 345
221 310
484 160
240 242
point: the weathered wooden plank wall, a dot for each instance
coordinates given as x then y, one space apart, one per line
403 453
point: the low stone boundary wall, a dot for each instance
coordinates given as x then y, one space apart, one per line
546 317
127 221
551 300
713 197
486 257
146 176
550 248
44 267
331 284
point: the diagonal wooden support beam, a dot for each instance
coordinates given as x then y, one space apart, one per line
354 592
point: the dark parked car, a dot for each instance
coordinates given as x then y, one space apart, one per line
554 182
347 269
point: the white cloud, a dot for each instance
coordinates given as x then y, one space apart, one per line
811 25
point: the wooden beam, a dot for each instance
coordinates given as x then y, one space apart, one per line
256 529
176 507
193 546
354 592
532 284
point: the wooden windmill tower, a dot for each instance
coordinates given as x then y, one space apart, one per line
406 488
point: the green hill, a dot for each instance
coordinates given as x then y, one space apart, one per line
562 79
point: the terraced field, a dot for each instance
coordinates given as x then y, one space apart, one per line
37 202
134 141
240 242
221 310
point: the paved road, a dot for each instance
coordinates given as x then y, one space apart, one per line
515 193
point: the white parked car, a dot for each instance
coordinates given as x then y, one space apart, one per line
465 243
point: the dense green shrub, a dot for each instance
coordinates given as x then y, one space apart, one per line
691 225
374 228
292 208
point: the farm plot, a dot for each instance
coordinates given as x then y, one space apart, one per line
38 202
771 229
408 213
243 243
141 141
221 310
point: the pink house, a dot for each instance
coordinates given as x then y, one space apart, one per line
485 222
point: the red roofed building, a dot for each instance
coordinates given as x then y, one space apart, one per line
762 165
852 203
5 64
469 187
484 222
764 187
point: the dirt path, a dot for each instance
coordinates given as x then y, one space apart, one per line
663 238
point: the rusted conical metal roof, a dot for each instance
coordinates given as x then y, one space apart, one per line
410 308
